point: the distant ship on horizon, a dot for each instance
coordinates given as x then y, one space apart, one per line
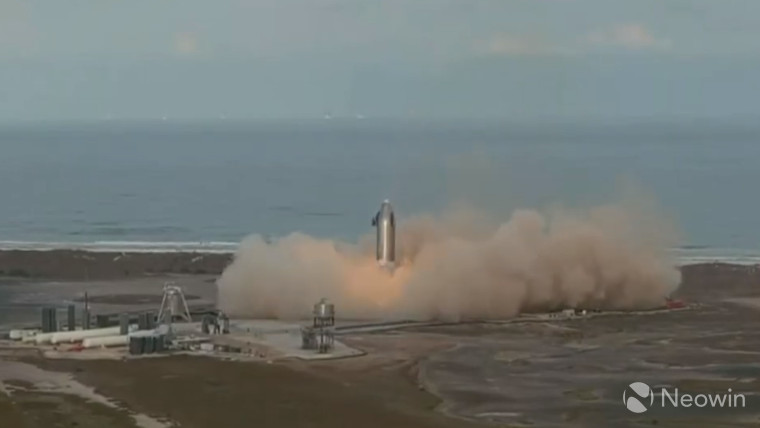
357 116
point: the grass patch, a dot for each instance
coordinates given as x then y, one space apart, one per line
10 414
15 273
42 409
582 394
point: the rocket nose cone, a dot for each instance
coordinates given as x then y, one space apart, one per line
386 201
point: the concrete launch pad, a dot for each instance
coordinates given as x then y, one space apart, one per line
247 340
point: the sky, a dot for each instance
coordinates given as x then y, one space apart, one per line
248 59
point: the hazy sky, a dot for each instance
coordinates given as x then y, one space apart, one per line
90 59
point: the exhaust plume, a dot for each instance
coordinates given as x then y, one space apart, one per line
463 265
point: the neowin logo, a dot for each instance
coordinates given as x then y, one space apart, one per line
638 397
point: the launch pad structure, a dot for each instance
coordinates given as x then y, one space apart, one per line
173 305
321 335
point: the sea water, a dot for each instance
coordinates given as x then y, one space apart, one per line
165 185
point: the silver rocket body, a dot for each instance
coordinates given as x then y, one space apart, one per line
385 224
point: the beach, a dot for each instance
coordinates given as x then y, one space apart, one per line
79 264
86 265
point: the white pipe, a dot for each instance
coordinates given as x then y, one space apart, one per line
21 334
43 338
143 333
77 336
30 339
121 340
105 341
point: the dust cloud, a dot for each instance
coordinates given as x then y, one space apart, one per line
463 264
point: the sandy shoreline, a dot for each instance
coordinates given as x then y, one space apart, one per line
85 265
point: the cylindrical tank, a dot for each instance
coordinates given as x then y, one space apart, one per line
23 334
123 324
136 345
42 338
31 338
76 336
105 341
324 309
49 320
85 319
324 314
145 321
150 344
101 321
385 224
71 320
175 304
160 343
45 324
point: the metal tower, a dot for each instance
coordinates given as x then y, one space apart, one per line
173 305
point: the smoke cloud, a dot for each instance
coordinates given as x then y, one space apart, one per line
464 265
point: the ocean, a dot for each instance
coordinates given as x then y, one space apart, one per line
171 185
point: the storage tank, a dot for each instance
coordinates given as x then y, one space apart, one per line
123 324
32 338
324 313
149 346
160 343
105 341
22 334
71 321
136 345
42 338
76 336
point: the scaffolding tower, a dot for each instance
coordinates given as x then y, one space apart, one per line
173 305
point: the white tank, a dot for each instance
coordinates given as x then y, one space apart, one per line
105 341
30 339
21 334
77 336
42 338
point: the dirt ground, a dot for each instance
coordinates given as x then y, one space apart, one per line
30 409
203 392
85 265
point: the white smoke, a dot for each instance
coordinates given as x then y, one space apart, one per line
464 265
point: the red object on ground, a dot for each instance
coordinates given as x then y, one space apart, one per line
76 348
674 304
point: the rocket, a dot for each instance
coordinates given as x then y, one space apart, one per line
385 223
